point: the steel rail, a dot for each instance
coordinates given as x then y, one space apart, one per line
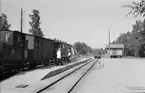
63 77
81 77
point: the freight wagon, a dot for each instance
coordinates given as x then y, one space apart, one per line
38 50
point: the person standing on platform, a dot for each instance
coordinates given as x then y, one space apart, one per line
59 56
69 56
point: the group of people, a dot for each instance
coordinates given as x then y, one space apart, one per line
59 56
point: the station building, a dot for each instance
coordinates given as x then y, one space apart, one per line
114 50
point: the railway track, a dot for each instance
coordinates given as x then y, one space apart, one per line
67 83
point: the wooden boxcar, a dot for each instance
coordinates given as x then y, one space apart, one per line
40 50
47 50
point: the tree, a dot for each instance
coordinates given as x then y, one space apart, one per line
137 8
4 23
142 50
35 24
142 32
137 27
142 40
82 48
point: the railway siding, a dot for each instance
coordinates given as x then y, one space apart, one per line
58 71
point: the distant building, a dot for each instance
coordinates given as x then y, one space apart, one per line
115 50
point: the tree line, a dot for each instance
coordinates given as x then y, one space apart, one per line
134 41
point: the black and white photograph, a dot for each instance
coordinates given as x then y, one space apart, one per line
72 46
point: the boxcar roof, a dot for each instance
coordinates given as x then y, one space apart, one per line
30 35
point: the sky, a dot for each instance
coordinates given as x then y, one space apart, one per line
73 20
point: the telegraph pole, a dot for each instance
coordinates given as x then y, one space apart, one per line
21 20
21 29
0 7
109 41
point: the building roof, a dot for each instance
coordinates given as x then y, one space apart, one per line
115 46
